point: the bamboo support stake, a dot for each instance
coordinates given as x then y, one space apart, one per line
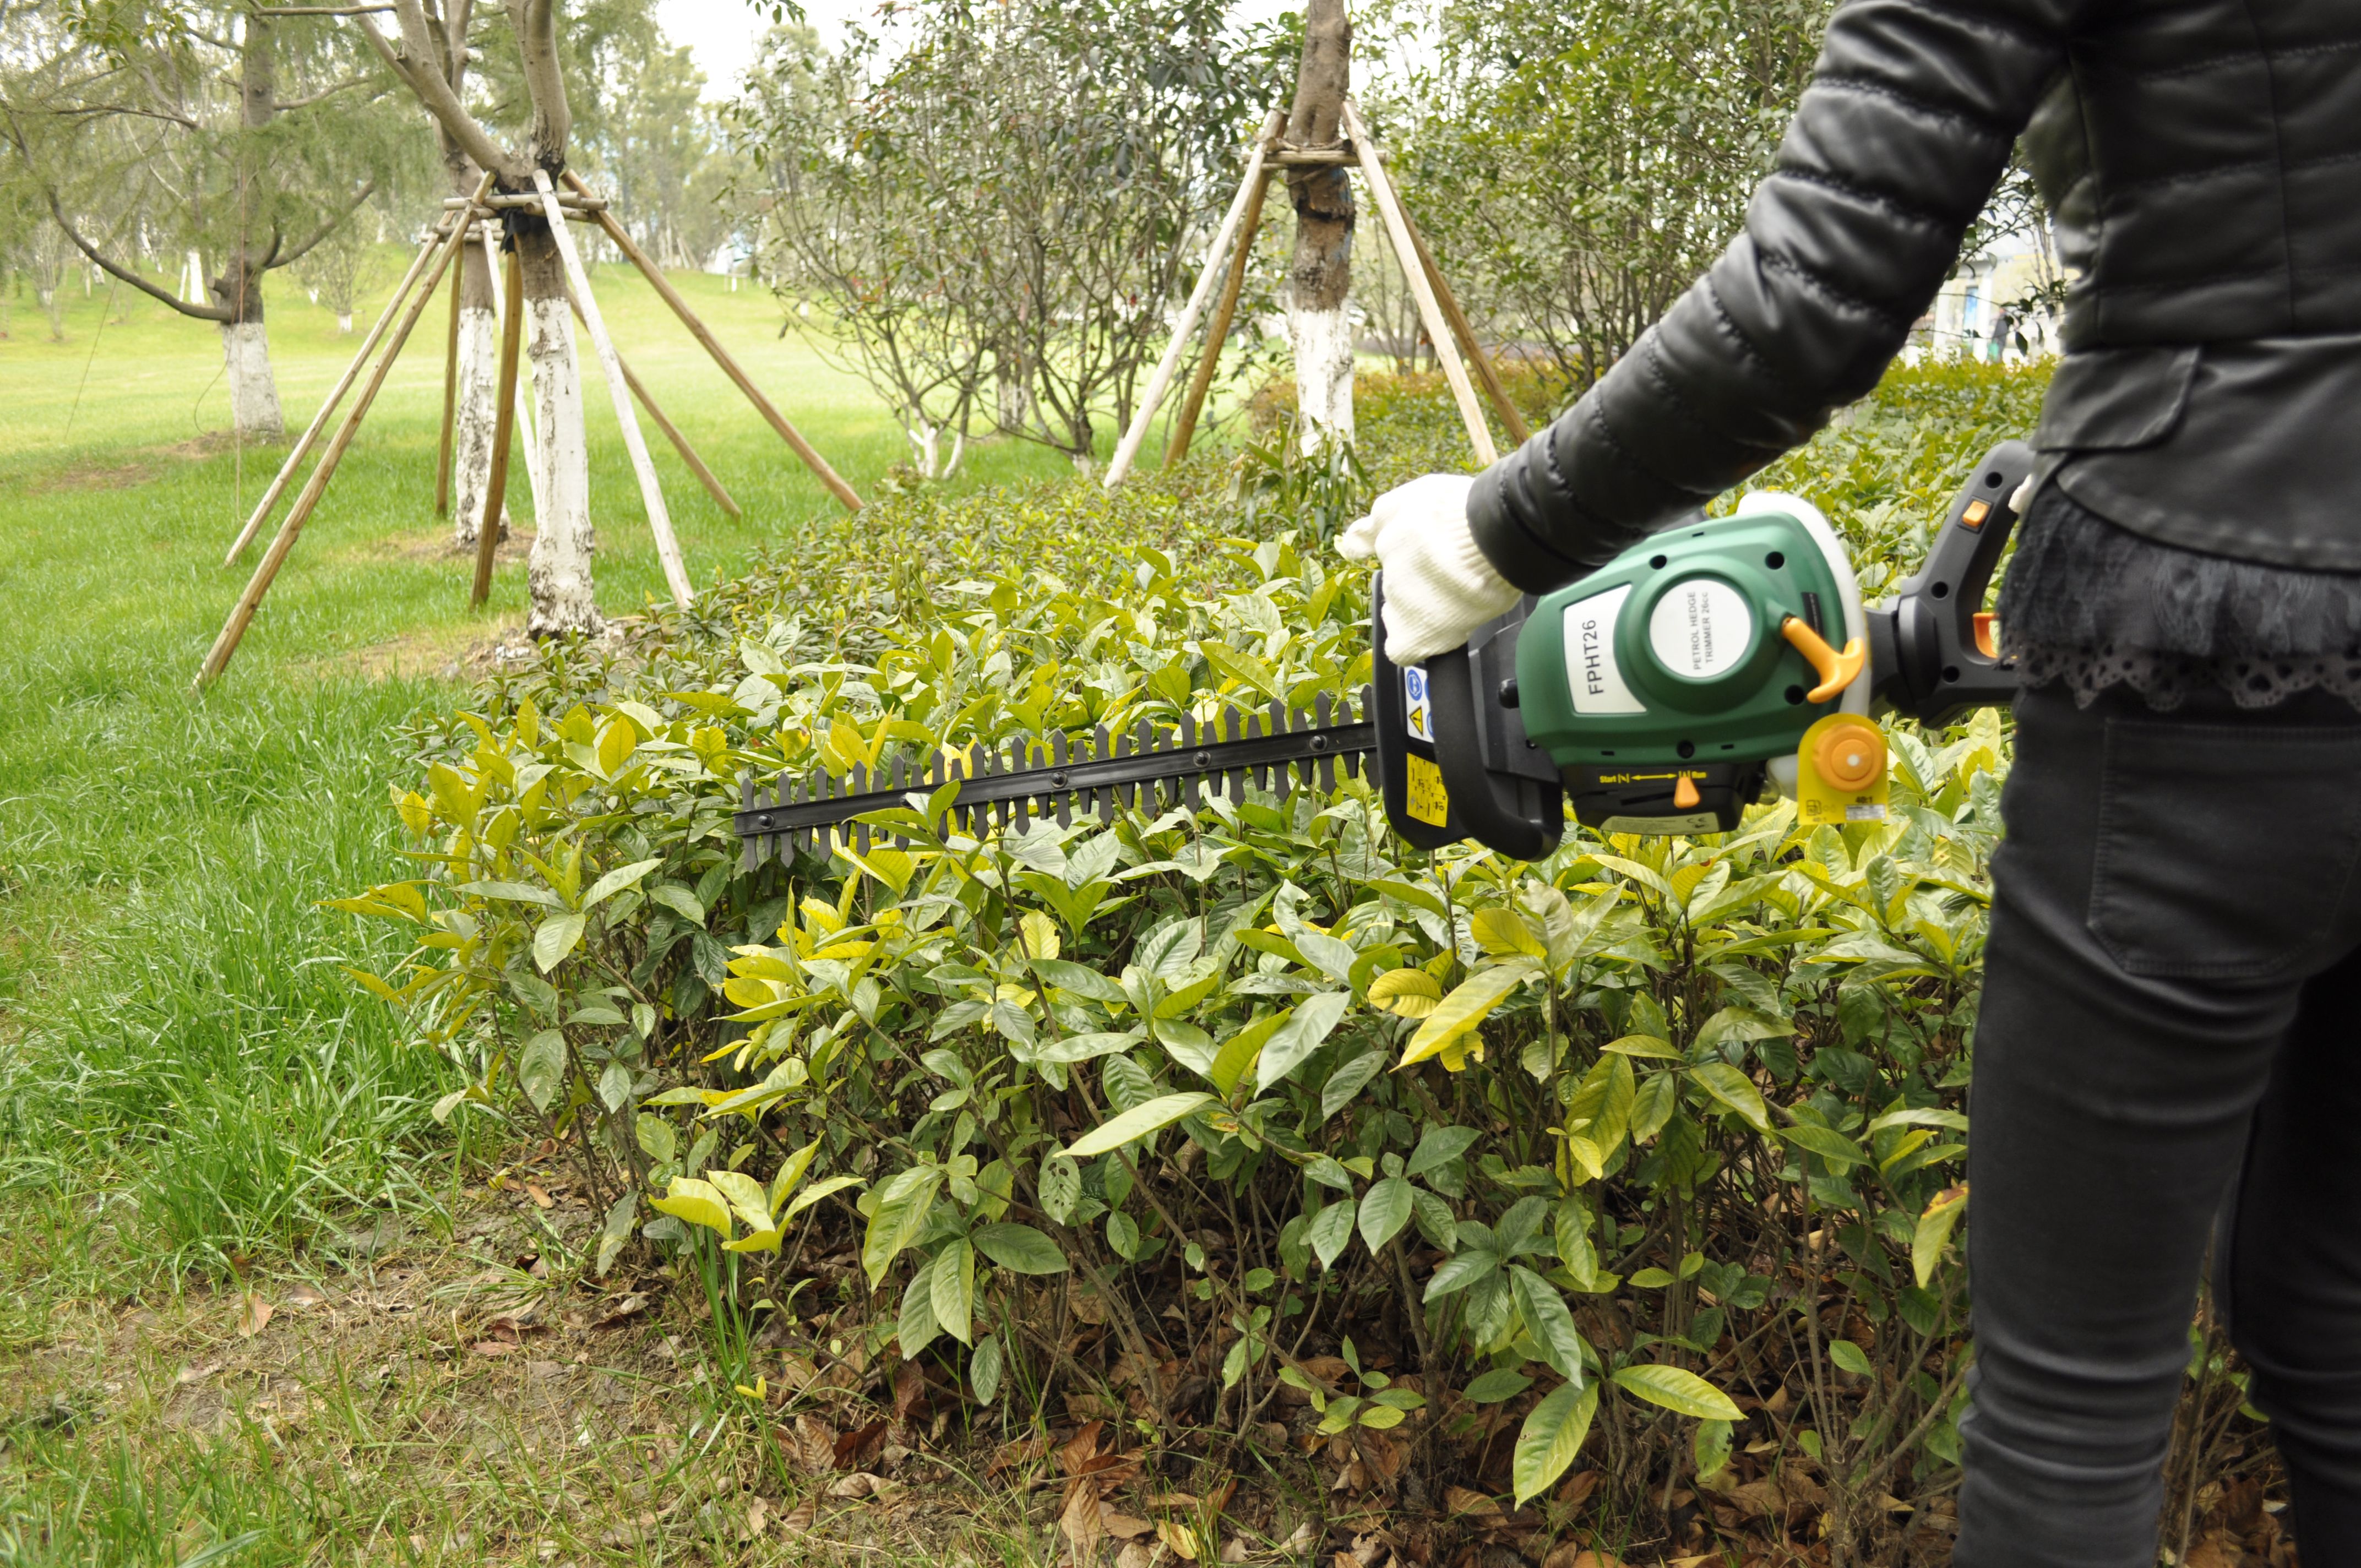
504 405
712 345
679 442
1158 384
450 393
1510 415
1217 331
335 395
217 658
1430 313
523 410
651 492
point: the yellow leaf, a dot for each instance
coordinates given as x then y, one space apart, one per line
745 1195
1406 992
416 814
1935 1227
616 744
1502 931
698 1202
1458 1014
760 1240
1040 935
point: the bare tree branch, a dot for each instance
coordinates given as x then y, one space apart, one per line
544 79
409 62
202 313
288 257
283 104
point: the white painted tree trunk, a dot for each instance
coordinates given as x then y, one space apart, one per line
1322 342
472 420
343 322
559 572
253 393
192 280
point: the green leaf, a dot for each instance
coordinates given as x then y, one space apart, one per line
1650 1045
1928 1116
1741 1024
918 1328
1469 1004
556 938
1019 1248
1736 1091
1086 1047
1712 1448
1547 1319
745 1195
615 881
1495 1386
1551 1437
1462 1270
1329 956
1138 1122
541 1070
1385 1209
680 901
814 1193
1330 1233
1239 1051
1680 1391
1438 1146
1305 1030
950 1291
1849 1358
1933 1232
1349 1081
898 1217
983 1369
1826 1141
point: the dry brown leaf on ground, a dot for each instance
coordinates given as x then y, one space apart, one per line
798 1519
1135 1554
631 1306
495 1347
1079 1522
861 1483
859 1446
1182 1540
1461 1500
254 1314
306 1296
1122 1526
1576 1489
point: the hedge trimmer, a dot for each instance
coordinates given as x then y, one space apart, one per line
1661 693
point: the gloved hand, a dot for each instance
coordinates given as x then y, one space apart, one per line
1439 586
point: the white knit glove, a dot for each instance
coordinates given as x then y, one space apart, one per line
1439 588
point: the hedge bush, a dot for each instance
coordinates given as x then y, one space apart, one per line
1246 1127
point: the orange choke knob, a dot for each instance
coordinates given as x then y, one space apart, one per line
1851 756
1837 670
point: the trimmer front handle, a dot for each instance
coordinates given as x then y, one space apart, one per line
1935 654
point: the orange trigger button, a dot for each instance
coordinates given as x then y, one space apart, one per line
1684 793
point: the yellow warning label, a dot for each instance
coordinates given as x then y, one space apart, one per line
1428 802
1841 773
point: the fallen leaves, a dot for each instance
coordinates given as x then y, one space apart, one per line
254 1315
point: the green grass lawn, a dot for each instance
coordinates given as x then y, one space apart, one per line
189 1085
175 1024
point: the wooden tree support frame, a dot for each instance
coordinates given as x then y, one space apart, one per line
1445 323
410 299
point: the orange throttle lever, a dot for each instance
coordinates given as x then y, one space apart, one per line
1837 670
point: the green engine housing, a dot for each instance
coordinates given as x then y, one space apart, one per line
1672 652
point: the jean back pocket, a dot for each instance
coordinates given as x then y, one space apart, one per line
2225 851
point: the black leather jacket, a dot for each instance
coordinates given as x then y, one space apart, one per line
2203 158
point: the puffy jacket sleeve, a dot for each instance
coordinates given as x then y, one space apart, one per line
1897 145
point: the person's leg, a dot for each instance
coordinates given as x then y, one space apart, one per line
2290 1269
2166 886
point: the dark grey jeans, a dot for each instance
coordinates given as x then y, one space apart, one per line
2169 1051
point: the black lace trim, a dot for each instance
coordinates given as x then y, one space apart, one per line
2096 606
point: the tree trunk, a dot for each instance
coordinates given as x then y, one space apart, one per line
474 414
245 350
1318 325
559 572
245 356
